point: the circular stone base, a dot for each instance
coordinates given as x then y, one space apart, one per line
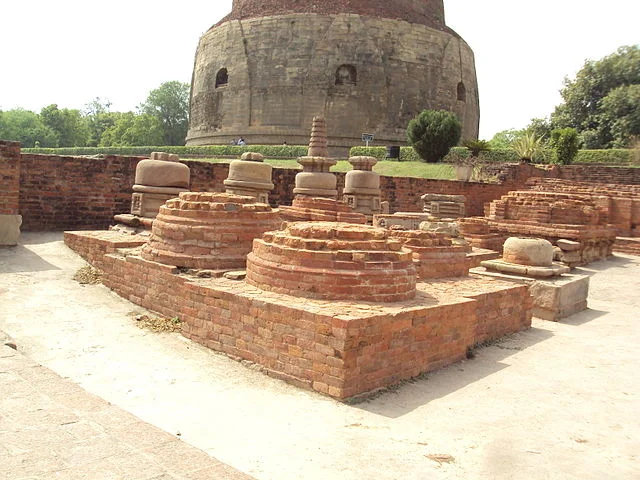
334 261
208 230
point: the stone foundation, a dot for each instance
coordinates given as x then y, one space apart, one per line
553 298
338 348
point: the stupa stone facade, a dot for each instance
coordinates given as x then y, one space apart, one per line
268 67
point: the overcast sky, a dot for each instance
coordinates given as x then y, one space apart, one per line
69 51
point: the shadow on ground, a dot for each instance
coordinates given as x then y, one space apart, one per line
434 385
29 261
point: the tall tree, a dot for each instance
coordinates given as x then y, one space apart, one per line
585 104
131 129
99 118
26 127
169 103
69 125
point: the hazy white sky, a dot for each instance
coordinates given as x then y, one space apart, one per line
69 51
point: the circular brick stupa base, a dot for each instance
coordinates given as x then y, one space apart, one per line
333 261
208 230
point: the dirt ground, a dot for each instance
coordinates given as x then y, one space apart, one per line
559 401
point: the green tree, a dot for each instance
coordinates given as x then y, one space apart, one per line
620 110
505 138
565 143
26 127
432 133
585 105
130 129
169 103
99 118
69 126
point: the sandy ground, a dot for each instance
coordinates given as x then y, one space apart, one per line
559 401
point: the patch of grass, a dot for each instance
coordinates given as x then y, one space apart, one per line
437 171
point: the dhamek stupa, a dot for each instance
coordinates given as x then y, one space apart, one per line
367 66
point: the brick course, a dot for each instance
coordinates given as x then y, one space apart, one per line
9 177
337 348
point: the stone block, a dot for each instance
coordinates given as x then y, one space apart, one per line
10 229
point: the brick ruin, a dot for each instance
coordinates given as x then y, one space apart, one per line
548 215
10 218
340 308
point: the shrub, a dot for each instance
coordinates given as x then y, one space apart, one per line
475 147
565 143
527 146
269 151
432 133
619 156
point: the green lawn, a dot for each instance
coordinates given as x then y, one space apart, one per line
440 171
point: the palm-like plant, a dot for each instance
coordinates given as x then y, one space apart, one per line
527 146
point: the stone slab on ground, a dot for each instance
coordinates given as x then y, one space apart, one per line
559 401
554 298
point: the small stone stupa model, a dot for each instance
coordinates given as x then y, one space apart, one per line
556 293
316 188
362 187
157 180
249 176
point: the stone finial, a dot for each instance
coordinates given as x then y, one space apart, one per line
318 145
252 157
165 157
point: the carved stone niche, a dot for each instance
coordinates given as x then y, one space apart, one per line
157 180
444 206
249 176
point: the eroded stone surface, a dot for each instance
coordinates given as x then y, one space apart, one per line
535 252
249 176
333 261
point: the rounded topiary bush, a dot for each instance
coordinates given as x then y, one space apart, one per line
432 133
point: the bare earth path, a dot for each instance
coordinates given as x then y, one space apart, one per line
560 401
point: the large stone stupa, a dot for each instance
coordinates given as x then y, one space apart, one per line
368 66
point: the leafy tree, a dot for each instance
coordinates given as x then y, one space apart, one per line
26 127
130 129
541 128
169 103
432 133
586 107
69 126
505 138
565 143
99 118
620 110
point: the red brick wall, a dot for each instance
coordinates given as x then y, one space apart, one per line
70 193
600 174
9 177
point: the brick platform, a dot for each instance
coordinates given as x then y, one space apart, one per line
338 348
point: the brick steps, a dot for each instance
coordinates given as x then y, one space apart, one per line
630 245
